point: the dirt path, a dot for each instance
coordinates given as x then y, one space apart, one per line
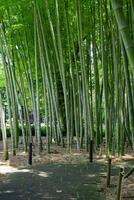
54 181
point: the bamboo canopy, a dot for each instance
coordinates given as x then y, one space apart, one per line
70 65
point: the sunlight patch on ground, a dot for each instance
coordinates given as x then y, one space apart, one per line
58 191
23 153
116 159
49 197
76 154
91 175
103 173
7 169
127 156
7 192
2 163
43 174
4 169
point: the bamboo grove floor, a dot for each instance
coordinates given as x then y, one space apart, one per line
61 176
54 181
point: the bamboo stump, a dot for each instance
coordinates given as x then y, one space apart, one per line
30 154
91 151
109 172
121 175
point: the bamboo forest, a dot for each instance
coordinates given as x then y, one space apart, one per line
66 99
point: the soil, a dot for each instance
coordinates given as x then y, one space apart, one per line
126 162
59 155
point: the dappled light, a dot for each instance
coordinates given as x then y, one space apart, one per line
7 191
8 169
41 173
66 99
4 169
55 181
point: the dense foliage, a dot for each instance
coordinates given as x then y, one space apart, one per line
71 64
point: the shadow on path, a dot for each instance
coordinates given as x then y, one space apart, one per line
54 181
